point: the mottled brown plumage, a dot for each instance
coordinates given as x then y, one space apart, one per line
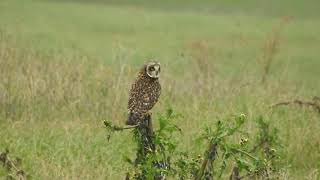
144 92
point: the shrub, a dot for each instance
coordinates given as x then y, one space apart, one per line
158 156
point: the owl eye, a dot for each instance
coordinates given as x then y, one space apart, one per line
151 68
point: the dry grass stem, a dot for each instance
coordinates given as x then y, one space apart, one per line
315 103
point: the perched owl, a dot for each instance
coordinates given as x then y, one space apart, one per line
144 92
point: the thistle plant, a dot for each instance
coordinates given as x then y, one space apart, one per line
158 155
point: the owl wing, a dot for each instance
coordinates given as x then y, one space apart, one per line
151 96
134 93
143 97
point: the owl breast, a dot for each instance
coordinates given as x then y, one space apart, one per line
144 95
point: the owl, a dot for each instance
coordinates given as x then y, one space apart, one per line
144 92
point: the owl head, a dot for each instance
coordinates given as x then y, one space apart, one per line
152 69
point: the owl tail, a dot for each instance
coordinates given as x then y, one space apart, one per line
133 119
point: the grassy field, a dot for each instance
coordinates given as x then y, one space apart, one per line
65 66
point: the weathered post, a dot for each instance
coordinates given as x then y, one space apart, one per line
144 135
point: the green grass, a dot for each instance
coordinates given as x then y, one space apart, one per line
67 65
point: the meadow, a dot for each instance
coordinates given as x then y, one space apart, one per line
66 66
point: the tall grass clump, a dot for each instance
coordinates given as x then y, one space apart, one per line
271 47
45 87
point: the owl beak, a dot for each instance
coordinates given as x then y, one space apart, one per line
157 74
157 71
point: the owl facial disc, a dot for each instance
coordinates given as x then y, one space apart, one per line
153 69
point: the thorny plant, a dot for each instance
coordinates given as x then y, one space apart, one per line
12 166
256 159
157 162
246 158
